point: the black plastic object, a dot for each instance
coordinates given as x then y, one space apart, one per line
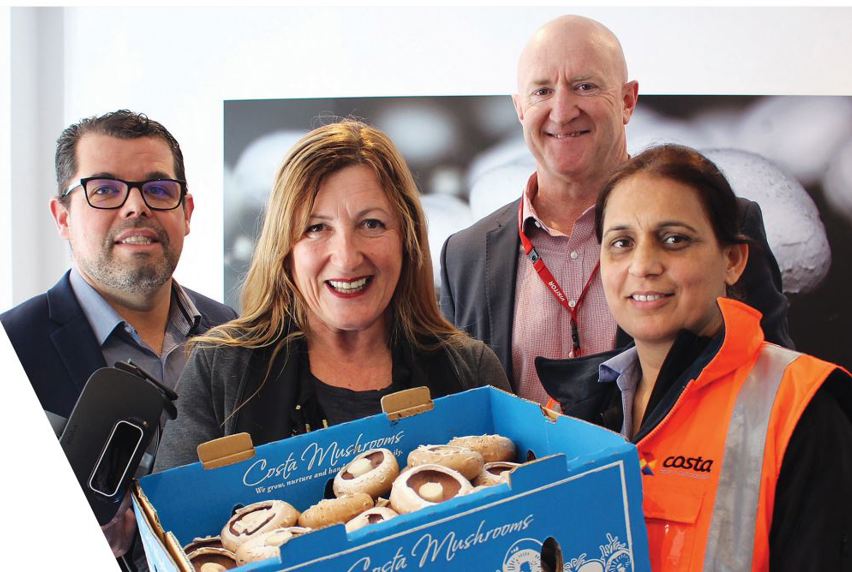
111 426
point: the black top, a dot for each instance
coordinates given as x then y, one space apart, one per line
811 523
339 405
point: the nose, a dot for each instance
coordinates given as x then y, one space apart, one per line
346 251
135 205
563 105
645 260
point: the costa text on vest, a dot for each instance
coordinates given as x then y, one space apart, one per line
698 464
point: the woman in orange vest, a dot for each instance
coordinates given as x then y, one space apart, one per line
745 447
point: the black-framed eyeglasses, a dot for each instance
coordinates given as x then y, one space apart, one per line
112 193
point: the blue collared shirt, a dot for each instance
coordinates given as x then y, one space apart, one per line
625 371
119 340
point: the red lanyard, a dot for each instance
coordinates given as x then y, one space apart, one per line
553 285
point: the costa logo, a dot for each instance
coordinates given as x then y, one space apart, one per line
698 464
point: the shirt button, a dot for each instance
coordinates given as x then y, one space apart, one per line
574 255
572 303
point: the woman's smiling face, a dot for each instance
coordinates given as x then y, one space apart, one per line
347 263
662 266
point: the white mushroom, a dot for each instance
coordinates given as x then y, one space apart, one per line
371 516
268 544
212 559
203 542
493 448
794 230
462 459
256 519
426 485
333 511
495 473
371 472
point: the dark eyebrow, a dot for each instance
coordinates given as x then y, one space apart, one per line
662 225
616 228
149 176
677 223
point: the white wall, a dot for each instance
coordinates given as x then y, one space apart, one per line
179 64
37 92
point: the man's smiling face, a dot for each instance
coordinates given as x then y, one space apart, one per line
131 248
573 102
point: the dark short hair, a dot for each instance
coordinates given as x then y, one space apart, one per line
122 124
688 167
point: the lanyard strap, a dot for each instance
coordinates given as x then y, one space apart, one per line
552 285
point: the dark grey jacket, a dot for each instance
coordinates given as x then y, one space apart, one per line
217 379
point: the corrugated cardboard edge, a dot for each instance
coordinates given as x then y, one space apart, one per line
407 402
168 539
178 555
225 450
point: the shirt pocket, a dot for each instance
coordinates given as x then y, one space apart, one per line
671 515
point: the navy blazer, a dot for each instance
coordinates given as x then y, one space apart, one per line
58 348
479 266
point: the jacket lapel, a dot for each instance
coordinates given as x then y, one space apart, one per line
501 266
73 338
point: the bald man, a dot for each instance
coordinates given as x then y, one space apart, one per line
574 101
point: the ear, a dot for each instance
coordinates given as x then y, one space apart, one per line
736 257
188 207
516 101
61 216
630 96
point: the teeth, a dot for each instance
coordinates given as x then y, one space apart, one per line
646 297
567 135
136 240
352 286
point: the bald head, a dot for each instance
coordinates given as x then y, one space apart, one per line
573 33
574 102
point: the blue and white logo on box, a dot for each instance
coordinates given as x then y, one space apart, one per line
525 556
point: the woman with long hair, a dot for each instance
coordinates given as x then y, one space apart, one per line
338 306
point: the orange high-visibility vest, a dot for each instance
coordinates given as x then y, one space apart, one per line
711 466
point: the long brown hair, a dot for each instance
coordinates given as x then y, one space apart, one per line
273 310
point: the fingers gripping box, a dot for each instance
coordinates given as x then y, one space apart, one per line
576 507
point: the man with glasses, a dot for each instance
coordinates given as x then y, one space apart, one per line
524 279
123 207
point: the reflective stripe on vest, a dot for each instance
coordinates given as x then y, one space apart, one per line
730 540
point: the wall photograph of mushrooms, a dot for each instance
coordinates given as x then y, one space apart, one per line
791 154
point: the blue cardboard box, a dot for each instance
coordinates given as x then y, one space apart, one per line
579 501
